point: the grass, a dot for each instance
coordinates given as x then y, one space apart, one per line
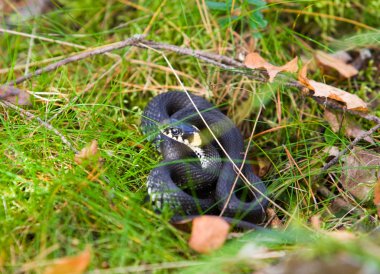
52 207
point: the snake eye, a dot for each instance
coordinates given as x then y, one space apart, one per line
175 131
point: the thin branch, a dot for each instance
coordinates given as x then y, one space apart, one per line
77 57
349 147
212 58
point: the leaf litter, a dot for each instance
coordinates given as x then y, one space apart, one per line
352 101
329 61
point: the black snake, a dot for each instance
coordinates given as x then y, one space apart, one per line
196 177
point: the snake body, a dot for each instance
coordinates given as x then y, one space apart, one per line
195 176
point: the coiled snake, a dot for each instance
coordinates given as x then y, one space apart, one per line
195 176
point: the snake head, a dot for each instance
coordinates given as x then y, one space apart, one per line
182 132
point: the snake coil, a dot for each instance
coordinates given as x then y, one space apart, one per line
195 176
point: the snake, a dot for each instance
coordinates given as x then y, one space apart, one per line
196 176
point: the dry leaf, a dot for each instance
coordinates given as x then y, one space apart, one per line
315 221
73 265
376 199
328 60
208 233
351 129
332 151
340 263
342 56
360 172
20 11
88 153
254 61
341 235
14 95
275 222
352 101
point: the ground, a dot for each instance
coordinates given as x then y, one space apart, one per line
53 205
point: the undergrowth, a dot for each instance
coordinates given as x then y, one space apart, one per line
52 207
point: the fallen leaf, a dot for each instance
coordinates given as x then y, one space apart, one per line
352 101
332 151
21 11
73 265
351 129
14 95
208 233
332 119
254 61
341 235
342 56
89 153
328 60
376 198
301 263
275 222
315 221
360 172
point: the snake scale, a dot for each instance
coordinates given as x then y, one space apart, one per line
195 177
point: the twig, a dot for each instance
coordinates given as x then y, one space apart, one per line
337 106
80 56
349 147
212 58
42 122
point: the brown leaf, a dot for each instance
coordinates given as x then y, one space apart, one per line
315 221
208 233
351 129
254 61
328 60
26 9
73 265
14 95
275 222
360 172
332 119
352 101
376 198
337 263
341 235
88 153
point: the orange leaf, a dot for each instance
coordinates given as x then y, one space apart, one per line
327 60
73 265
352 101
254 61
208 233
376 199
